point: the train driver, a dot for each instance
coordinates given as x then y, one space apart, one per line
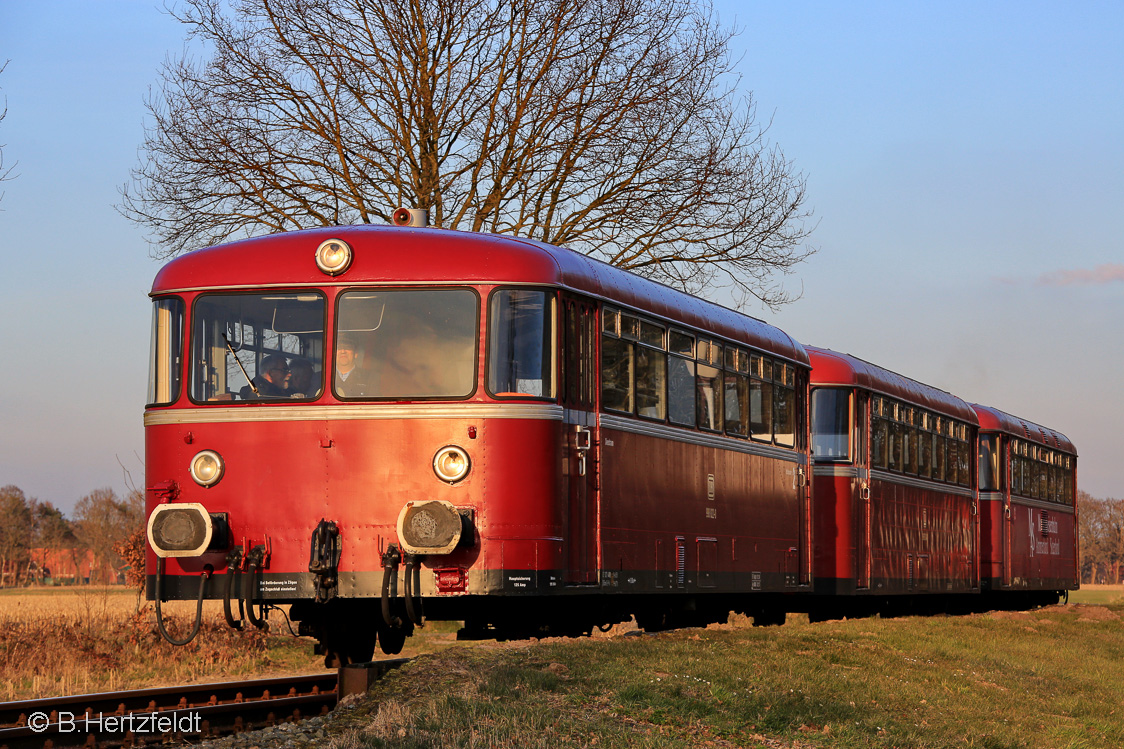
272 377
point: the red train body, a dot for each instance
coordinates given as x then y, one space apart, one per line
377 425
606 478
1028 517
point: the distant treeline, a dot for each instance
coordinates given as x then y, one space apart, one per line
1100 526
39 544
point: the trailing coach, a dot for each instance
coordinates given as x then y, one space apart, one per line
1028 514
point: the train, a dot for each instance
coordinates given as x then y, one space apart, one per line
370 427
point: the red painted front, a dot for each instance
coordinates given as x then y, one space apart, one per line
282 478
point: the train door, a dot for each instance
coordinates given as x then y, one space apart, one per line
861 493
579 402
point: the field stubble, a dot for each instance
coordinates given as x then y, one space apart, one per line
64 641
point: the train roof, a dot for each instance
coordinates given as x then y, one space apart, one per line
833 368
408 255
994 420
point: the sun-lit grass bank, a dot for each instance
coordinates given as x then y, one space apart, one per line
1040 680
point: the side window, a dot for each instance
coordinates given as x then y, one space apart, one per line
521 343
761 398
952 466
988 463
894 458
878 439
165 360
831 424
965 455
651 372
617 383
708 386
681 378
925 446
737 392
784 406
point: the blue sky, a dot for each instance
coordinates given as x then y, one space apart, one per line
965 162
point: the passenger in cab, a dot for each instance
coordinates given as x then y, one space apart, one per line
300 379
351 379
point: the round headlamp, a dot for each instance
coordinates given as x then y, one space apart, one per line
429 527
333 256
451 464
180 530
207 468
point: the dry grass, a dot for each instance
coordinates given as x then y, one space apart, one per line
79 640
62 641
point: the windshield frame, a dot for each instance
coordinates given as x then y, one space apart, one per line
167 351
193 322
330 351
550 334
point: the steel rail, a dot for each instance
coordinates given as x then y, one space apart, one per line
205 710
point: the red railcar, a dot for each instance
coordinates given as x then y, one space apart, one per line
1028 517
379 424
894 492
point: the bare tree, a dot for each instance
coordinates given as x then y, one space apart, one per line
101 520
613 127
15 532
1101 536
5 174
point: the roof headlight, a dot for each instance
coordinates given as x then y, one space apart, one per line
333 256
451 464
207 468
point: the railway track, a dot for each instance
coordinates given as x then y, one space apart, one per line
142 716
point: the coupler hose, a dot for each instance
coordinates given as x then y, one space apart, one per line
415 613
233 565
389 570
198 605
255 566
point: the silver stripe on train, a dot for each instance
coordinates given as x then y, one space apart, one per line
541 412
1027 502
846 471
676 434
918 483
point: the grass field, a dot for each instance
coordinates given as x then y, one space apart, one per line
1098 595
1048 679
61 641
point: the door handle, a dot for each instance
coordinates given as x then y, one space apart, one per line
583 442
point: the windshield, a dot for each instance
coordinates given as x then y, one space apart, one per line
406 344
257 347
